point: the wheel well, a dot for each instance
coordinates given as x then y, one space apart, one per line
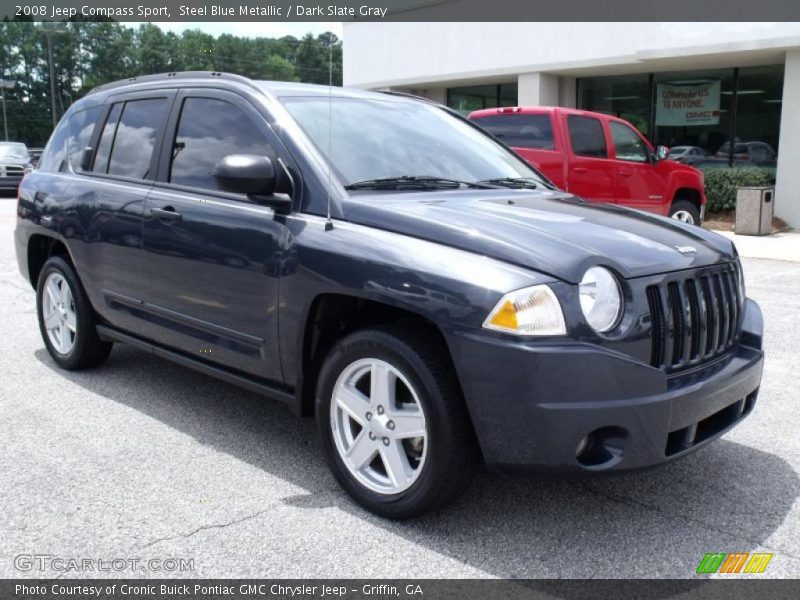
40 248
333 316
689 194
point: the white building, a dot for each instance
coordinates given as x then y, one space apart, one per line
619 68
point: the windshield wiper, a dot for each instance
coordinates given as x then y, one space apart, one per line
421 182
515 182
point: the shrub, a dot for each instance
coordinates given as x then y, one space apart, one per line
721 184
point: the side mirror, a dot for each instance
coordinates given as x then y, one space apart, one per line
662 153
245 174
251 174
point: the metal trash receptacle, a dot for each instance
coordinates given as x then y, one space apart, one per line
754 206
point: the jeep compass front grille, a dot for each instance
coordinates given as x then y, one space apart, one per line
695 318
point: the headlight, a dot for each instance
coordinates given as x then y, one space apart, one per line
529 311
601 299
26 170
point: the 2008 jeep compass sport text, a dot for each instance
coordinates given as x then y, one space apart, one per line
379 262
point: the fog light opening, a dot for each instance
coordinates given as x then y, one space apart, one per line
602 448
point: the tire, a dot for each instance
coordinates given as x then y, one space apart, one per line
442 466
685 211
81 348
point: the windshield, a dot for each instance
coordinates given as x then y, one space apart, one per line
382 139
13 151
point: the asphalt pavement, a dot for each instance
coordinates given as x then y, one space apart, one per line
142 459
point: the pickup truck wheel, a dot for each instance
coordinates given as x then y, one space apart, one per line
685 211
394 427
66 320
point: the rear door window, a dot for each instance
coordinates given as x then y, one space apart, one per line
586 136
107 139
126 146
520 131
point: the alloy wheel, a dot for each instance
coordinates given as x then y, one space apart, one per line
378 426
684 216
59 316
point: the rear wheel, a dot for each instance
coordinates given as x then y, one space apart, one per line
66 320
685 211
393 424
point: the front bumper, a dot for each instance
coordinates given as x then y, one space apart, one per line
10 183
575 408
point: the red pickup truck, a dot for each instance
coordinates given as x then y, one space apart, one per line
599 157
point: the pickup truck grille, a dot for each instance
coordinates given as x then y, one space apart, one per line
11 171
694 319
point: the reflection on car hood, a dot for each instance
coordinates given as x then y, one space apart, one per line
551 232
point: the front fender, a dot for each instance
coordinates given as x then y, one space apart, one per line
686 178
445 285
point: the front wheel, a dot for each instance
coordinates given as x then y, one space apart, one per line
685 211
393 425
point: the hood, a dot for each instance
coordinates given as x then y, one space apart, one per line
14 160
550 232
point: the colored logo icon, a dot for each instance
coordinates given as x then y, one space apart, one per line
735 562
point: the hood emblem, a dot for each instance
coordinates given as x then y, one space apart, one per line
686 249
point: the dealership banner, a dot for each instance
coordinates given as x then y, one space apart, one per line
401 10
687 105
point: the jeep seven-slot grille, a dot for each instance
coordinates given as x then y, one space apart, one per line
693 319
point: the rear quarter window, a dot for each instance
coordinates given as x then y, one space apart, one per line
54 157
520 131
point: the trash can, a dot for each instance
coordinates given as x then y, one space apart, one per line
754 210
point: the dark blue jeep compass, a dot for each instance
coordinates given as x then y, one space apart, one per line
380 263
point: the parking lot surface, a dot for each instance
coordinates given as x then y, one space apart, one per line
143 459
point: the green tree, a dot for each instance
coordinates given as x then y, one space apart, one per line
87 54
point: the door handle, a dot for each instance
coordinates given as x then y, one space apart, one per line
626 173
167 213
579 169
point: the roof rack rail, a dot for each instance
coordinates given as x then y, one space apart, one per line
168 77
407 95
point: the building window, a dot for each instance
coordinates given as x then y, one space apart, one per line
719 117
694 110
758 113
626 97
476 97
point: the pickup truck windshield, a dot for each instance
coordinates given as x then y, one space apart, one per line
13 151
376 139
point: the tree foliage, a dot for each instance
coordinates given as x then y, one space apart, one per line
88 54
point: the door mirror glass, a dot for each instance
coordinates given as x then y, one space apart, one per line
662 153
250 174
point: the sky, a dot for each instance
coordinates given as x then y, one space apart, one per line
253 29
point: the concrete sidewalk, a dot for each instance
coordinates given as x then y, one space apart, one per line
778 246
